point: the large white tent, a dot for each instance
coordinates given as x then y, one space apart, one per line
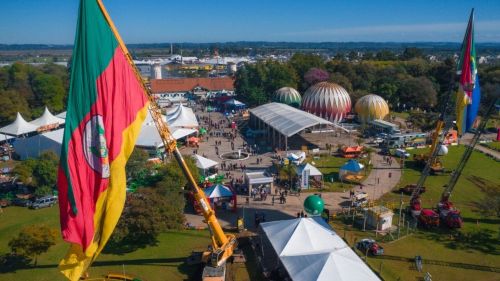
150 138
19 127
182 116
61 115
47 119
310 250
33 146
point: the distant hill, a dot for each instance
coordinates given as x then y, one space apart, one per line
428 47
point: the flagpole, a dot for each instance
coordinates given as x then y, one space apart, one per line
220 241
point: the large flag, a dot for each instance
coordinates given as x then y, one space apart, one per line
106 107
469 95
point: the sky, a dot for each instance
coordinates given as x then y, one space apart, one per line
164 21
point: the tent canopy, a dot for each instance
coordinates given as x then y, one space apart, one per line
61 115
285 119
235 103
218 191
182 116
204 163
313 171
350 149
18 127
310 250
33 146
149 136
47 119
352 166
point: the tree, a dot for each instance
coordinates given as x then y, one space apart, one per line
343 81
315 75
49 91
11 103
136 162
302 63
418 92
33 240
412 53
39 172
141 221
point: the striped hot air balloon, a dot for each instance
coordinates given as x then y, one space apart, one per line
327 100
288 95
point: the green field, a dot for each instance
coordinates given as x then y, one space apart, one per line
493 145
480 247
152 263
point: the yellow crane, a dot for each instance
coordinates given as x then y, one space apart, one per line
223 244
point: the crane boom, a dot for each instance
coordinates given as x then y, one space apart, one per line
468 152
222 244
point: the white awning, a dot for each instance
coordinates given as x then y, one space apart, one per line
204 163
19 127
285 119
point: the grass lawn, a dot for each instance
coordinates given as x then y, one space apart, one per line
481 248
493 145
161 262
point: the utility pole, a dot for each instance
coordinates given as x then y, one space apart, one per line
400 211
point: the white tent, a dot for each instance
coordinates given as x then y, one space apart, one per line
18 127
47 119
310 250
182 116
313 171
61 115
33 146
204 163
4 137
149 136
149 119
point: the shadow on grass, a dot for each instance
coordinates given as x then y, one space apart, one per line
12 263
125 247
482 240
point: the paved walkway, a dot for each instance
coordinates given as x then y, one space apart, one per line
382 179
467 138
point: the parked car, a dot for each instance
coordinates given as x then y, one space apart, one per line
47 201
22 202
371 246
401 153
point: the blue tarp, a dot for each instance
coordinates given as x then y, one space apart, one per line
352 166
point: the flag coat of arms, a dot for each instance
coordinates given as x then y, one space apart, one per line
469 93
106 107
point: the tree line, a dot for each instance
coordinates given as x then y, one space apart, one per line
406 81
28 89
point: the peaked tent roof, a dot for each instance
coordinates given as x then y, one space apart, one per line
18 127
47 119
341 264
311 242
4 137
352 165
302 236
313 171
182 116
204 163
217 191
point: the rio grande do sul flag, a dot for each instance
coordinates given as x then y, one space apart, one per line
469 94
106 107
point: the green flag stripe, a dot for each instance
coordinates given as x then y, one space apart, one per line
94 47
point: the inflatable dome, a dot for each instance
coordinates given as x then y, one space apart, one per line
288 95
314 205
327 100
371 107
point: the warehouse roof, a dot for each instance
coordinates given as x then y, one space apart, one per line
285 119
